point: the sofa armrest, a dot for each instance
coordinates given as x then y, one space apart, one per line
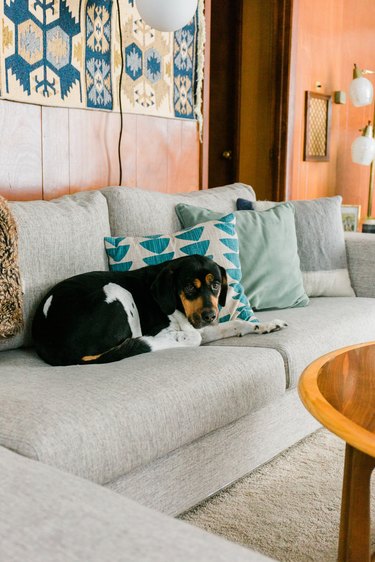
360 250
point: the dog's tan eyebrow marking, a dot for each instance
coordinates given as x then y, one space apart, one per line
197 283
209 278
191 306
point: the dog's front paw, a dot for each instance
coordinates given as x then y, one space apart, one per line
238 328
192 338
272 326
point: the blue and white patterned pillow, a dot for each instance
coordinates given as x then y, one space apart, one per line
216 239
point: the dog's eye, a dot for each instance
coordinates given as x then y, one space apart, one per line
189 288
216 286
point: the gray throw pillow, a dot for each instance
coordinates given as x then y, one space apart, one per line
321 245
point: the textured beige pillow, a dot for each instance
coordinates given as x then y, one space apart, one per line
11 316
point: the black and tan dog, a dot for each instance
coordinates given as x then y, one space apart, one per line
101 316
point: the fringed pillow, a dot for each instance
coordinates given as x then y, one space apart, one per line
11 314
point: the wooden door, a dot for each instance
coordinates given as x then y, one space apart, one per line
249 64
225 70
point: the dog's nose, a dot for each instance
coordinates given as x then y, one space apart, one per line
208 316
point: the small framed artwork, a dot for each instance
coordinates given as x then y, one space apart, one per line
318 108
350 217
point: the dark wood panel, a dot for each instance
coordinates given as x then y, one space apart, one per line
225 76
20 151
205 145
258 97
283 23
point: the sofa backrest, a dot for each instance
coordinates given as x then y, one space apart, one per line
136 212
57 239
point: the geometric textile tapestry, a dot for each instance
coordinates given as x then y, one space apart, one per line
67 53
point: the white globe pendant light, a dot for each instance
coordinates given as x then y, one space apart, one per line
360 90
363 148
166 15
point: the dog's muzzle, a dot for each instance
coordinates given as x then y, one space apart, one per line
204 318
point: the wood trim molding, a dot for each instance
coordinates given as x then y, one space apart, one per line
238 90
281 151
204 147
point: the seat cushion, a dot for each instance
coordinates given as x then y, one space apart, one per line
328 323
50 516
137 212
101 421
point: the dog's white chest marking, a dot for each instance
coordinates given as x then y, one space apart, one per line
46 306
114 292
179 333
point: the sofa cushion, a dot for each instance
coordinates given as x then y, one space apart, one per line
321 245
11 309
57 239
328 323
137 212
50 516
271 275
101 421
215 239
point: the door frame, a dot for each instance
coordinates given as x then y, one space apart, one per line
204 144
282 26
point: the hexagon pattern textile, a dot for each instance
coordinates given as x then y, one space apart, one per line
68 53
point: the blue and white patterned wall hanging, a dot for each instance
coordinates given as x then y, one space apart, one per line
67 53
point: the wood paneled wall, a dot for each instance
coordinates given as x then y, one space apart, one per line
47 152
328 38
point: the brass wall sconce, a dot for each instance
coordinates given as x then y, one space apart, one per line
318 108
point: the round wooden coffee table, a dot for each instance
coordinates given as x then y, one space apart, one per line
338 389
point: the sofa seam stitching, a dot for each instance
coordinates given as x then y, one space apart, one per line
22 442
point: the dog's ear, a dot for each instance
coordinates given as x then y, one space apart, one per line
224 287
164 292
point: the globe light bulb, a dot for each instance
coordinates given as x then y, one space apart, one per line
166 15
361 91
363 148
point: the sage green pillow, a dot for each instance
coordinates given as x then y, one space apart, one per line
271 275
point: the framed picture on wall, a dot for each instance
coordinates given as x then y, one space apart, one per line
318 109
350 217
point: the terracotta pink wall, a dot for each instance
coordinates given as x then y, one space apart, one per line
329 36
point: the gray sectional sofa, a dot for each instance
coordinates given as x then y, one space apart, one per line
166 429
50 516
